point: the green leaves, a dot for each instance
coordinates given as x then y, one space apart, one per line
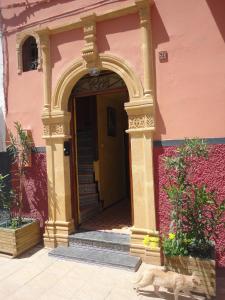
19 149
6 195
195 213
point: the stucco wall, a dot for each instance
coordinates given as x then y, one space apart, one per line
35 200
189 87
211 172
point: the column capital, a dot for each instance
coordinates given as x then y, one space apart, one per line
56 125
140 116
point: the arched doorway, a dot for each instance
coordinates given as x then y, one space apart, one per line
57 133
100 171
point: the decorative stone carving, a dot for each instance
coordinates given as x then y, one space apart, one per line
57 129
90 51
141 121
143 9
46 130
20 39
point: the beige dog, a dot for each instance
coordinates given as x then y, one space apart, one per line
170 280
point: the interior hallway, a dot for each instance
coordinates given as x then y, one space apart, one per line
116 218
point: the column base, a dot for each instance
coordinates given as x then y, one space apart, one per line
137 247
57 233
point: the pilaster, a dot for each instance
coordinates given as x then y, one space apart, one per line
146 45
141 127
60 223
45 54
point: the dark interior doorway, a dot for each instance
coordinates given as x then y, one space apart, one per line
100 159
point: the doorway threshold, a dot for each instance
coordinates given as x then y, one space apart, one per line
116 218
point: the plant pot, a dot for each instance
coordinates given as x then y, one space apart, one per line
205 268
17 241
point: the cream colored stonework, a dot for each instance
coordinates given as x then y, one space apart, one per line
90 50
140 110
20 39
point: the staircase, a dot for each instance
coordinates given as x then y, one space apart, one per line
101 248
88 193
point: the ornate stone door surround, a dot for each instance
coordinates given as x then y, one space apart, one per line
140 110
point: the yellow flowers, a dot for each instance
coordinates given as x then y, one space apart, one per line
172 236
151 241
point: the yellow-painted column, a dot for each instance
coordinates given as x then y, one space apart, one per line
60 223
141 128
146 46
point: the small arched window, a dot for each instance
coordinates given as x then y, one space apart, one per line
30 54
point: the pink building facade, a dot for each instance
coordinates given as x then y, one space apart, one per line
180 69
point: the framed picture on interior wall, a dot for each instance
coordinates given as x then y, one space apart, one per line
111 121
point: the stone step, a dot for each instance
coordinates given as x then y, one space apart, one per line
98 256
88 199
88 188
101 239
86 178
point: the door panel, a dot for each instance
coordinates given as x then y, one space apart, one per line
112 172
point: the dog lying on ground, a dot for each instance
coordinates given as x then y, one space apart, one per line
169 280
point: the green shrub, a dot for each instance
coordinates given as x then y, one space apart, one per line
196 212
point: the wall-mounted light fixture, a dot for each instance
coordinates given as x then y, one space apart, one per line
94 72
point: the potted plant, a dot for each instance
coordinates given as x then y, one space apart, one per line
18 234
195 216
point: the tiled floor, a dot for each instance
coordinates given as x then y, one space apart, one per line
116 218
38 276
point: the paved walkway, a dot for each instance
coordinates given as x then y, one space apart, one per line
35 275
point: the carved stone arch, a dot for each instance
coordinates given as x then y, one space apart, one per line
20 39
78 69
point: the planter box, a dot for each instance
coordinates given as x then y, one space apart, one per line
17 241
205 268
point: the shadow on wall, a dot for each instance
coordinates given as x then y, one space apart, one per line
159 36
217 9
35 190
29 11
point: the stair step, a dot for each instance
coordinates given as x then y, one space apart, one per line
88 199
85 178
87 188
85 169
98 256
101 239
84 134
84 150
86 159
85 141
